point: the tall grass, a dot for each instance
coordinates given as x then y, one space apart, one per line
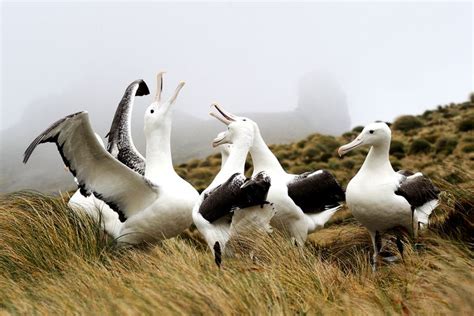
55 261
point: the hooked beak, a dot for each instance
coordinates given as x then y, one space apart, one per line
348 147
224 117
220 139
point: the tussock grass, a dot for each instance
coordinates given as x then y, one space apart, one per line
55 261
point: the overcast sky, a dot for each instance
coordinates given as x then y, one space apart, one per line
388 58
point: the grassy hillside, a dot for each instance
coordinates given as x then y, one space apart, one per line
439 142
54 261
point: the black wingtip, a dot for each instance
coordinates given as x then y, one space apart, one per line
142 88
29 151
45 136
217 254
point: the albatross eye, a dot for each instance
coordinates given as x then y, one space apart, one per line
244 120
371 131
152 111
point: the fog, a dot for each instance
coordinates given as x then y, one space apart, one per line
364 61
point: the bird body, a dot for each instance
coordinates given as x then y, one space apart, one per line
152 207
373 203
382 199
232 204
303 203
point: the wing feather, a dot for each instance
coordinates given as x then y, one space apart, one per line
120 142
316 192
97 171
417 189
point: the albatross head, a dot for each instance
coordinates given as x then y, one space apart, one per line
159 112
240 130
224 148
374 134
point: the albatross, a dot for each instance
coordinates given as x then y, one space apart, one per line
154 206
233 204
303 203
120 145
382 199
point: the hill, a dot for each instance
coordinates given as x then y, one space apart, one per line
439 142
53 261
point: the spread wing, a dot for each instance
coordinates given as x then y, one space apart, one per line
124 190
316 192
120 143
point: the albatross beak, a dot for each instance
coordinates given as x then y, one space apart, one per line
220 139
347 148
176 92
225 117
159 86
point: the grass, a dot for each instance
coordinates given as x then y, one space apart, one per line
54 261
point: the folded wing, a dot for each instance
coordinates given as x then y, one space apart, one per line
421 194
120 143
316 192
97 171
220 201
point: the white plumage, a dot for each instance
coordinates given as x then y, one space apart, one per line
228 185
382 199
155 206
289 216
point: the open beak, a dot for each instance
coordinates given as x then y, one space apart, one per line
176 92
348 147
225 117
159 86
220 139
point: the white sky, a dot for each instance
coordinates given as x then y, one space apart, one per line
389 58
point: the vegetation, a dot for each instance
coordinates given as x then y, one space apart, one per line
406 123
446 145
419 146
397 149
436 137
54 261
466 124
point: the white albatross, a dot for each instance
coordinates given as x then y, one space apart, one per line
382 199
121 146
303 203
155 206
233 204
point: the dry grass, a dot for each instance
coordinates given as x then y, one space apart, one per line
53 261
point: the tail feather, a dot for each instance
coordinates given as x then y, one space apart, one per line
320 219
423 212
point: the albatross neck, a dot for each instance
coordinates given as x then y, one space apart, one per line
263 158
158 153
235 163
377 160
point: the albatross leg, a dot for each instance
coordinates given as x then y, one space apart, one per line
377 243
400 246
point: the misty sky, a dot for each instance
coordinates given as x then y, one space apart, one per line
388 58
